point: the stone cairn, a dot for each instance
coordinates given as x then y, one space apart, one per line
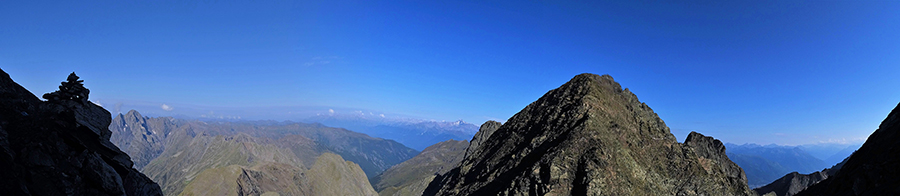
70 90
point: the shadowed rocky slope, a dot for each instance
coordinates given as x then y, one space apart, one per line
591 137
871 170
61 146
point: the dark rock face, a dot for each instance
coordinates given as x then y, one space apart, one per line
871 170
483 134
61 146
591 137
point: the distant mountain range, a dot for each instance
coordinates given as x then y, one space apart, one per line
192 156
766 163
831 153
587 137
415 133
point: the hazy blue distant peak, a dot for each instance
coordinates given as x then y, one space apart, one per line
383 118
753 145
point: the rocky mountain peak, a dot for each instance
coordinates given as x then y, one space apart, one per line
704 144
133 115
72 97
61 146
591 137
483 133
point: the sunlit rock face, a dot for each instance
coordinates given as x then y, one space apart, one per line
591 137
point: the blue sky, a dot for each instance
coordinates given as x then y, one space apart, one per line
785 72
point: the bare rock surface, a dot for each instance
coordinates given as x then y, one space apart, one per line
591 137
483 134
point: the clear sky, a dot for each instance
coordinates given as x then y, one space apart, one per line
784 72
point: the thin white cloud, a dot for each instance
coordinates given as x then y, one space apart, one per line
167 107
330 111
843 140
319 60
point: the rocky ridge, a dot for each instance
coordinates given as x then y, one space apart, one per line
483 134
871 170
591 137
61 146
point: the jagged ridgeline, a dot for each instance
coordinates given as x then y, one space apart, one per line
61 146
591 137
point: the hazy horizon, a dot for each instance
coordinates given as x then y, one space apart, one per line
769 72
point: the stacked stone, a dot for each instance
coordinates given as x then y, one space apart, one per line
71 89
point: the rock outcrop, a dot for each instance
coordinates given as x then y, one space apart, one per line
483 134
871 170
591 137
411 177
61 146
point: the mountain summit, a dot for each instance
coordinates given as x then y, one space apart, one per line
591 137
61 146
